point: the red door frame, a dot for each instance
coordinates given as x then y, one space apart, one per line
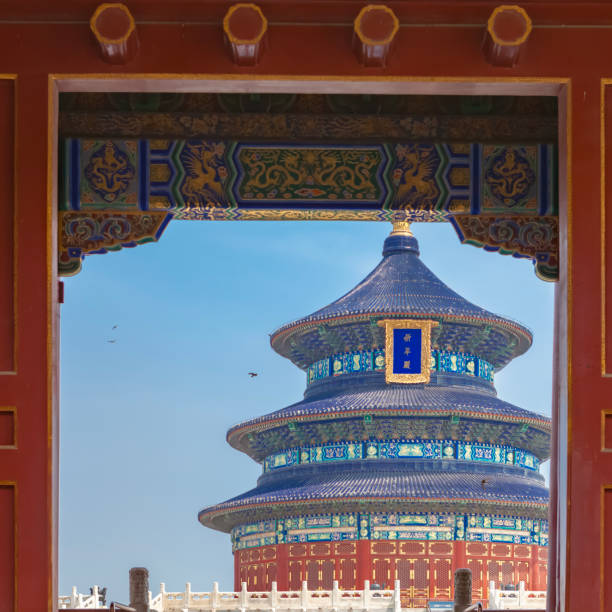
39 59
406 85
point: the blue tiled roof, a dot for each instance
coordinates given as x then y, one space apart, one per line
400 286
397 400
344 486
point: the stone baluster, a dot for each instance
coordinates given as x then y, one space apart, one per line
214 596
162 590
365 595
244 597
397 597
304 596
335 596
274 596
187 600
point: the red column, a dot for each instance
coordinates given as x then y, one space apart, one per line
432 578
282 567
534 570
459 557
236 570
364 562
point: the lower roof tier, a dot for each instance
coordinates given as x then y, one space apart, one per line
310 489
395 411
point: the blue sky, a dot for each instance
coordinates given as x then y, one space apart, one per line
143 418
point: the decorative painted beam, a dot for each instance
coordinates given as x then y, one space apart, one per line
115 31
321 127
209 179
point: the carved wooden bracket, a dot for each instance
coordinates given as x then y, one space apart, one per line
374 31
115 30
535 238
245 31
507 32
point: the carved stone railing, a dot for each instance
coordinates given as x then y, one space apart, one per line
336 599
520 599
93 601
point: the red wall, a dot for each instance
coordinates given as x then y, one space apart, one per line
41 53
425 569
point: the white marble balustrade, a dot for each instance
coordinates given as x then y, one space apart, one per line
276 601
516 600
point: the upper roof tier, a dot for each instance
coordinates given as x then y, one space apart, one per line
401 286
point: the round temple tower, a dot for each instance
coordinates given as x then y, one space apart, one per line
400 462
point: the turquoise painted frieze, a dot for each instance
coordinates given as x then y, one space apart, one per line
392 526
374 360
209 179
402 449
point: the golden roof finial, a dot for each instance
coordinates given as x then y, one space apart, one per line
401 228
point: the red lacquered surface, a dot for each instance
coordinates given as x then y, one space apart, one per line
245 29
507 32
569 62
114 28
374 31
425 569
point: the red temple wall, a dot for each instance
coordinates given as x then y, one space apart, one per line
425 569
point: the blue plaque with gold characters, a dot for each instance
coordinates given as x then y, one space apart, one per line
407 350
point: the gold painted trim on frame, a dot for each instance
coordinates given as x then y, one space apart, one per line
509 43
13 411
602 215
13 77
104 39
425 326
558 86
244 41
602 544
13 484
604 413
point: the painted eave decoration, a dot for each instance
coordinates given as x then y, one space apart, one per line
120 193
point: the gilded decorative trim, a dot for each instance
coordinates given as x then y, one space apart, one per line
13 370
12 410
104 39
13 485
507 43
244 41
424 327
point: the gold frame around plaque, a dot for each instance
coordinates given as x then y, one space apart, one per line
425 326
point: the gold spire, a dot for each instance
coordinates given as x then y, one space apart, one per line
401 228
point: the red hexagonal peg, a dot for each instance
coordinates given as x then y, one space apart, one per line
115 30
245 30
373 33
507 32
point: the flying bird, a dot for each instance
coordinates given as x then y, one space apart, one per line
111 341
253 374
114 326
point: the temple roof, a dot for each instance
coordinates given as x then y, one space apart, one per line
389 487
401 286
491 419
